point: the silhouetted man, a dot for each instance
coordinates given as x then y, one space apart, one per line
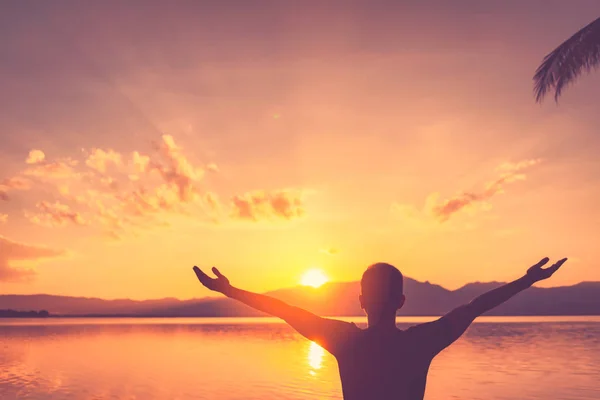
382 362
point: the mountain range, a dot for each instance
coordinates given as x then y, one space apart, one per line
333 299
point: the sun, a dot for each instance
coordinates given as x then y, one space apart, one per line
313 277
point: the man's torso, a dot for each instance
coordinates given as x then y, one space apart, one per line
382 366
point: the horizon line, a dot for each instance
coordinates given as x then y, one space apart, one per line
218 296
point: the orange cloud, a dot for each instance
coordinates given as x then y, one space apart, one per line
11 252
257 205
99 159
3 218
119 194
35 157
435 212
61 168
176 170
141 202
140 162
509 174
55 214
111 219
130 195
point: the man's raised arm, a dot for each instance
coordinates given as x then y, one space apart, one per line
326 332
451 326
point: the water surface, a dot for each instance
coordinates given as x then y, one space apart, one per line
259 358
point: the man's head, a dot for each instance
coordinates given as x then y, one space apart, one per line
381 289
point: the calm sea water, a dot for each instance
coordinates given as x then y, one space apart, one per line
224 359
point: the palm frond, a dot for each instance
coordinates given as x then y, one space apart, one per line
579 53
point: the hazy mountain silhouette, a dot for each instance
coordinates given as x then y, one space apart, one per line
335 298
82 305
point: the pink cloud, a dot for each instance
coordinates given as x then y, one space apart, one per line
11 252
509 174
435 212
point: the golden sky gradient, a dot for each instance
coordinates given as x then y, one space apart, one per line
268 139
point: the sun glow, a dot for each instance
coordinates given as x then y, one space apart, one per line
314 278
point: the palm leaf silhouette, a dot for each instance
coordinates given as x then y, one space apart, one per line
579 53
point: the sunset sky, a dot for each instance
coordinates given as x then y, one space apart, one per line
273 137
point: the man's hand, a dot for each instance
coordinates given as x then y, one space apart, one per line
219 284
537 273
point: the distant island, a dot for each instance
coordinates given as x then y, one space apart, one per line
331 299
24 314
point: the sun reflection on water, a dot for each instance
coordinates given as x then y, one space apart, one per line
315 357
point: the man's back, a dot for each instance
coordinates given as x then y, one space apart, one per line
390 364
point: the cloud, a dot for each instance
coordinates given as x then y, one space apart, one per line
60 169
142 202
10 184
35 157
109 190
55 214
176 170
121 194
435 211
3 218
258 205
11 252
140 162
509 173
165 182
99 159
514 167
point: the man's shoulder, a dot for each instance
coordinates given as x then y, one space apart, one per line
342 328
341 336
425 331
350 327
